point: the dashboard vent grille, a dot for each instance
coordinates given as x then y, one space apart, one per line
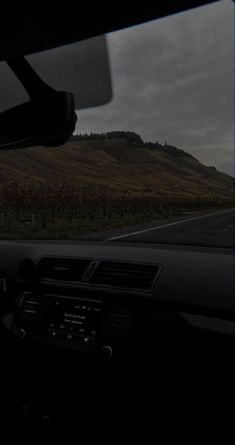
125 275
63 269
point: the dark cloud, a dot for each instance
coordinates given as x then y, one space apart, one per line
173 80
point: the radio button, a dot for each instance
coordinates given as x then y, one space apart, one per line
20 334
106 352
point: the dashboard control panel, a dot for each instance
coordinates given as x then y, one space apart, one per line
73 319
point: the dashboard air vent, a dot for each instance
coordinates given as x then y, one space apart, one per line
125 275
63 269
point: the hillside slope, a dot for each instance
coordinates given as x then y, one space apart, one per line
115 164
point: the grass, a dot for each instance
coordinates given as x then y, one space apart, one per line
48 213
73 229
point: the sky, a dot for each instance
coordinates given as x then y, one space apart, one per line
173 81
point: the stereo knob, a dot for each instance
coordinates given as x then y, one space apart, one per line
20 334
106 352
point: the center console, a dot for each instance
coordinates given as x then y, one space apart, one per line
92 322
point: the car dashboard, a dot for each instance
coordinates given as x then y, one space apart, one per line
110 330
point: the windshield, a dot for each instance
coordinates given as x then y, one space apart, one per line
155 164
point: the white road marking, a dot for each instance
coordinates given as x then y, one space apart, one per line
167 225
228 228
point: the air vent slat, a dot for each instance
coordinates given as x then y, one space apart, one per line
130 279
103 270
110 266
125 275
131 275
62 269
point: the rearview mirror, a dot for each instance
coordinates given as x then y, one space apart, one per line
48 121
58 82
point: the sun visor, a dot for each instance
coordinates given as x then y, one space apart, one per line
81 68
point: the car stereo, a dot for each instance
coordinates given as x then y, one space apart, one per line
60 316
72 319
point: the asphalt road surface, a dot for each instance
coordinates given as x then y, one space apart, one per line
212 228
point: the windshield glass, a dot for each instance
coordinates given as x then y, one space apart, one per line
155 164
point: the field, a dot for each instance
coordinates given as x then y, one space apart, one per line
47 212
95 184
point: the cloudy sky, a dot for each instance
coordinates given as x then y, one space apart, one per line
173 81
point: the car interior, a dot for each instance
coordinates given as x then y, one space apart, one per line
105 329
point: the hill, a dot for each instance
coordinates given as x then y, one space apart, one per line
121 163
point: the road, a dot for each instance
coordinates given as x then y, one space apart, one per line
212 228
